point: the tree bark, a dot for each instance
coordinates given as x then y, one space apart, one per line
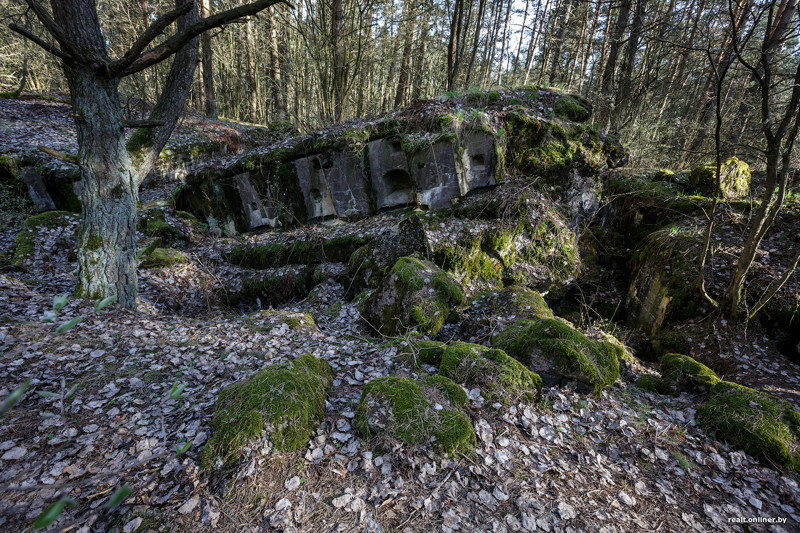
208 66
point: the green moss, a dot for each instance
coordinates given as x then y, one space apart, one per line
335 250
274 289
332 310
26 238
424 352
680 373
566 351
412 304
500 377
649 383
734 182
756 422
285 401
402 409
573 107
141 139
162 257
516 300
154 224
301 321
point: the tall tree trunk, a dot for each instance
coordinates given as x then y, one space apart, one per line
208 65
109 192
503 42
252 84
559 39
405 63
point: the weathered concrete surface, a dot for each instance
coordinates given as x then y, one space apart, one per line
391 179
36 189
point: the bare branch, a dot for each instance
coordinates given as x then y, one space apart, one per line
152 31
59 155
171 46
55 30
49 47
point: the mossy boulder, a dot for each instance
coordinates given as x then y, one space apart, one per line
758 423
369 264
274 287
681 373
27 238
424 352
416 413
573 107
664 272
416 294
285 402
649 383
558 352
734 178
161 257
153 223
301 252
501 377
530 245
490 310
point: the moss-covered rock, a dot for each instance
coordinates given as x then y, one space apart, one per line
558 352
663 284
424 352
491 309
499 376
680 373
756 422
26 239
274 287
284 401
369 264
734 182
416 294
649 383
573 107
161 257
416 413
335 250
153 223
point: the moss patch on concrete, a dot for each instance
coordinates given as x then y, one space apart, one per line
284 401
336 250
756 422
499 376
153 223
558 348
416 413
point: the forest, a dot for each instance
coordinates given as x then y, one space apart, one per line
399 266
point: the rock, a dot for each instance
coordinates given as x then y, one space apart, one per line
36 189
558 352
756 422
368 265
18 452
161 257
415 294
292 483
490 311
402 409
189 505
286 400
627 500
132 525
680 373
499 376
735 181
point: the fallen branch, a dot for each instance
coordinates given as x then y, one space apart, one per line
59 155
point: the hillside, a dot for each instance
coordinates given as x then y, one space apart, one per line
504 331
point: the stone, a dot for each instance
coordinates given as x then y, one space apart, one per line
36 189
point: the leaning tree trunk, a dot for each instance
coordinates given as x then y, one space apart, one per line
109 193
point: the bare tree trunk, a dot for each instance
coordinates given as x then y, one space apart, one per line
252 84
208 65
405 62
